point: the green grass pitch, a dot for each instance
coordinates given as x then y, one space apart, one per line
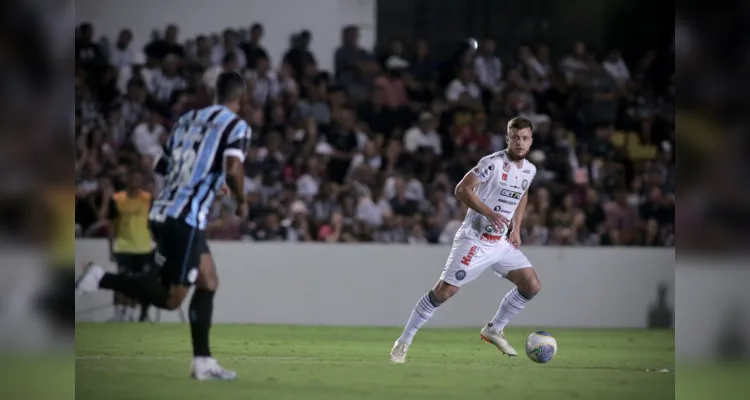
142 361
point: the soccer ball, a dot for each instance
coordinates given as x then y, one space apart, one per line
541 347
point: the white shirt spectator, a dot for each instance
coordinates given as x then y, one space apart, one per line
449 231
456 88
375 162
125 73
162 86
617 70
308 186
147 139
573 68
416 138
266 86
211 75
218 53
372 213
120 58
489 70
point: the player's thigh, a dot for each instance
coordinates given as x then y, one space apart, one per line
177 254
513 265
467 260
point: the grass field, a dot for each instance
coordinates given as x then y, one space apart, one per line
138 361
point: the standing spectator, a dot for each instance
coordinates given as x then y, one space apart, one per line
229 44
89 56
300 55
489 70
121 54
422 74
622 220
574 65
158 49
348 55
252 49
393 85
598 95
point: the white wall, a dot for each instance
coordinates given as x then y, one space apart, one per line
379 284
281 18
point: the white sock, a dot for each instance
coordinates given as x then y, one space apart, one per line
511 306
422 313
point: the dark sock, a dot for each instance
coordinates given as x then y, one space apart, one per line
146 289
201 311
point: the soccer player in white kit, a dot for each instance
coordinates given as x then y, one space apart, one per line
496 193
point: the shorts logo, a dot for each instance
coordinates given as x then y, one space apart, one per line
192 276
460 275
525 184
511 194
506 167
466 260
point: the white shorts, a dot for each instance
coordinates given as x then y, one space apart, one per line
470 257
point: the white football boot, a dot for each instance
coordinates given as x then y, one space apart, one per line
398 353
498 339
89 280
207 368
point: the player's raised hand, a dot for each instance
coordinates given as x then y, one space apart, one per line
498 220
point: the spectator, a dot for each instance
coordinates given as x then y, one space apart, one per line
88 55
575 65
615 66
149 136
269 229
598 94
121 54
348 55
158 48
230 62
392 83
372 211
265 83
299 55
167 81
343 143
227 226
462 91
252 49
488 69
229 44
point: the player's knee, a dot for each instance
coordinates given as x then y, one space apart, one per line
530 288
172 303
442 292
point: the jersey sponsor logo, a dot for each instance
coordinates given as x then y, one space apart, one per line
508 202
484 174
466 260
490 229
511 194
525 184
526 171
506 167
505 177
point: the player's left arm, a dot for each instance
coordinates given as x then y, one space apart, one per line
515 234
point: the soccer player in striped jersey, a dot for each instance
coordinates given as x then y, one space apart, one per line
205 151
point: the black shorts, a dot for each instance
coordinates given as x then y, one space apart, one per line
134 263
179 247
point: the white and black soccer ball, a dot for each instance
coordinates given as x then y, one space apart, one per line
541 347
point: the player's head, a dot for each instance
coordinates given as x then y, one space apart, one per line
519 136
231 90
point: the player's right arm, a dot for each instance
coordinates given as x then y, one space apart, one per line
237 141
465 192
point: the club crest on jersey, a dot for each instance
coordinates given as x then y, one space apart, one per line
460 275
525 184
506 167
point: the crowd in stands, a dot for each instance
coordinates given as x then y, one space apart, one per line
371 151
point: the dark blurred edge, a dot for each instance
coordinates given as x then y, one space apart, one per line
712 56
36 156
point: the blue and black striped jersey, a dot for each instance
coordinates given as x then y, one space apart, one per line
193 163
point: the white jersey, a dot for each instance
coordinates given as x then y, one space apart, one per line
503 186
